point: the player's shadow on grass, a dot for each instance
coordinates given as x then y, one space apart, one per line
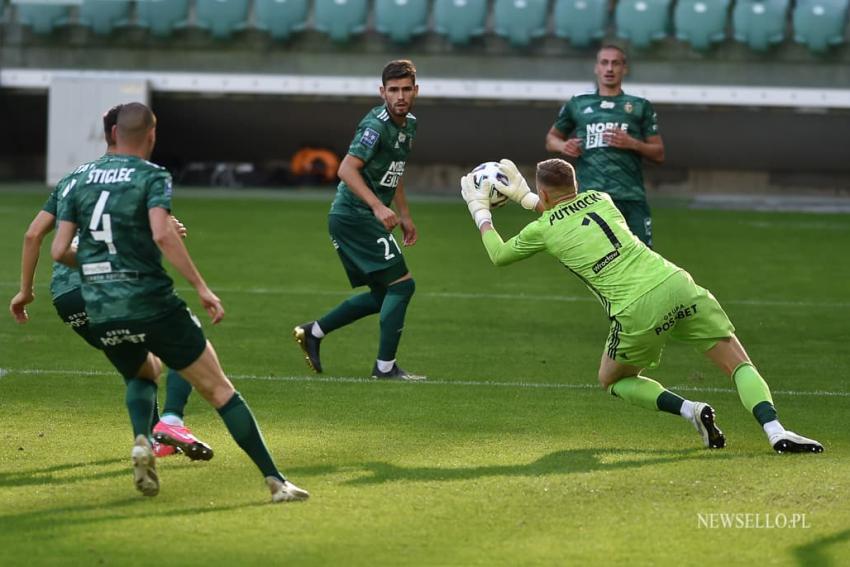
813 554
558 463
60 474
47 475
46 522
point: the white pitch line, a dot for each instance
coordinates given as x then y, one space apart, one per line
493 296
468 383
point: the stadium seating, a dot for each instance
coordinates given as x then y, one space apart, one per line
460 20
221 17
102 16
161 17
820 23
340 19
401 19
760 23
642 21
581 21
280 17
520 21
42 18
701 22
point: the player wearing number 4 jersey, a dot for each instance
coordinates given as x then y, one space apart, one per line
121 206
69 305
648 299
361 223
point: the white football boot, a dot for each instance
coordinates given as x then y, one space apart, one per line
703 420
144 467
285 491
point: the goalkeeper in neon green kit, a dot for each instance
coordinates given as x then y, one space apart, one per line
648 299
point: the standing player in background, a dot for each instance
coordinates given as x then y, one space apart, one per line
361 222
613 132
648 299
69 305
122 206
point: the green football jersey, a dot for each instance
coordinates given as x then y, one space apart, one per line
383 146
122 273
64 279
603 168
590 237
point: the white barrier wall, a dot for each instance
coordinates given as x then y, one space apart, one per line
75 118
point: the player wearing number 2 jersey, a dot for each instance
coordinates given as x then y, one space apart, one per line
361 224
648 299
121 205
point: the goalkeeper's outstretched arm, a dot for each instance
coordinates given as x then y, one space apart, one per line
517 248
523 245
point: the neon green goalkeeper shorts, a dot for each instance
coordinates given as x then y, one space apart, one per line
677 308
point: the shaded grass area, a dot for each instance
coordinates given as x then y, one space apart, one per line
542 469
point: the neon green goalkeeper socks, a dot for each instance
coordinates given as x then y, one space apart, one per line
754 392
646 393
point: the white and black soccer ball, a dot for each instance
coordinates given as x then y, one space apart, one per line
490 170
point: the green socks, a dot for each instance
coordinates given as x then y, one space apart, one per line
141 401
243 428
647 393
352 309
754 393
392 304
177 391
393 311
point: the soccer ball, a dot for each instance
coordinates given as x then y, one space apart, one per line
490 170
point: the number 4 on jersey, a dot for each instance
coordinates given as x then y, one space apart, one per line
105 234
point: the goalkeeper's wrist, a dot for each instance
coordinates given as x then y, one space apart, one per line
529 201
481 216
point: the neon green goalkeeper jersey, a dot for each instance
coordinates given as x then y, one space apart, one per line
590 237
617 172
122 273
383 146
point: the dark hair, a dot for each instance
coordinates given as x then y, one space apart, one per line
110 119
615 48
398 69
134 121
556 173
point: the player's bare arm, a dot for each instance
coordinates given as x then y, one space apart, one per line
652 149
40 226
170 243
349 172
408 229
61 249
557 141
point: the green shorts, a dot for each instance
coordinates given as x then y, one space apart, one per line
677 308
72 310
638 218
369 254
176 338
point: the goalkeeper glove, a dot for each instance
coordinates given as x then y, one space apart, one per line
477 199
517 189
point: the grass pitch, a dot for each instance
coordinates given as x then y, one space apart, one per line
509 454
